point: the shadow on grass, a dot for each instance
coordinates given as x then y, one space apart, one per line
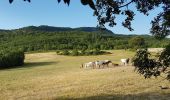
142 96
35 64
31 65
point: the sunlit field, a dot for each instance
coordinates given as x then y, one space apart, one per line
49 76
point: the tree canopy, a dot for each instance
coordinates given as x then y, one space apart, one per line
137 42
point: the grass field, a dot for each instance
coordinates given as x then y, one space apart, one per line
47 76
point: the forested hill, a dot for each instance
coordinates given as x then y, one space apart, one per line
63 29
34 38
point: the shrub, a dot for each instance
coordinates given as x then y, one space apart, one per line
65 52
58 52
81 53
11 58
75 53
96 52
88 52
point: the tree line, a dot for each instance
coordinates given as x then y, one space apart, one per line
32 40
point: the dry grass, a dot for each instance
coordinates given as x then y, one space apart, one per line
50 76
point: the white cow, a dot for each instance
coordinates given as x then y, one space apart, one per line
107 62
99 63
125 61
89 65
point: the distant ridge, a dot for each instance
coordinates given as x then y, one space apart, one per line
57 29
2 30
46 28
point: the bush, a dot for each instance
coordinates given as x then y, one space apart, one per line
96 52
58 52
11 58
81 53
88 52
65 52
75 53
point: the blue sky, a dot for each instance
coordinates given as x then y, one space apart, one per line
49 12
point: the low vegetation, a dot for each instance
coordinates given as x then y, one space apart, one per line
81 52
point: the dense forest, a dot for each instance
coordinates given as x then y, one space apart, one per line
44 38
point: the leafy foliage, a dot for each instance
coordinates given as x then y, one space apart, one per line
11 58
148 66
137 42
75 52
107 10
144 64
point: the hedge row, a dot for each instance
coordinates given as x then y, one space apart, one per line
80 53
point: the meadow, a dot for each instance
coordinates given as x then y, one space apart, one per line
48 76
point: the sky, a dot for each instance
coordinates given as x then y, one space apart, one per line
49 12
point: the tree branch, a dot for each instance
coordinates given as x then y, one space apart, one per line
126 4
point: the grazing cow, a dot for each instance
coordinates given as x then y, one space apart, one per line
99 63
89 65
113 64
107 62
125 61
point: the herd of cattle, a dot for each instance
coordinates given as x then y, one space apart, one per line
104 63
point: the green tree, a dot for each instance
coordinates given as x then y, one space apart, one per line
137 42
